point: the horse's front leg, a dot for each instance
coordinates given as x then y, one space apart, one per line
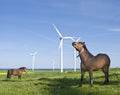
91 78
82 76
8 76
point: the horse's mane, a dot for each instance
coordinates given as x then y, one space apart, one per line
90 54
22 68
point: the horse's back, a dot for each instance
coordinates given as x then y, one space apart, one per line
103 59
13 72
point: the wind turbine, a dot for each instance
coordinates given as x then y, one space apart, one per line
53 63
33 60
75 55
61 45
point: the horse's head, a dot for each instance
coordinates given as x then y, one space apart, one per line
24 69
78 45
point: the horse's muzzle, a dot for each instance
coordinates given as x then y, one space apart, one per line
73 43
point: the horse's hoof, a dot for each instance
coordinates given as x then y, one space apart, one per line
91 85
80 85
105 83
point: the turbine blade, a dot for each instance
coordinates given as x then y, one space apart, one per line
31 54
73 39
57 31
35 53
67 37
78 39
61 42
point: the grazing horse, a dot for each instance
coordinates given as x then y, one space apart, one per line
92 63
16 72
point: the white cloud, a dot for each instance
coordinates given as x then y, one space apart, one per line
115 30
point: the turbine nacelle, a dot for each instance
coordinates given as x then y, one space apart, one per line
61 38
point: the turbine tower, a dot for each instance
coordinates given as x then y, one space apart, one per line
33 60
75 55
61 45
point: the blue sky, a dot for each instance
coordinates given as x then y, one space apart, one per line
26 26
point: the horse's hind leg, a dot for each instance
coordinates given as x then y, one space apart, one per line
106 72
19 77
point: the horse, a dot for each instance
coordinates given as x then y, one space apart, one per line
92 63
16 72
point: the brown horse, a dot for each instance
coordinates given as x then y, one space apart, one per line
92 63
16 72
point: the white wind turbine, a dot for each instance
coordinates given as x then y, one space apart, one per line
61 45
53 64
75 55
33 60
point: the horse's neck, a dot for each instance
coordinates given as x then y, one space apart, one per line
85 55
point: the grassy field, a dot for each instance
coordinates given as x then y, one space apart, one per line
56 83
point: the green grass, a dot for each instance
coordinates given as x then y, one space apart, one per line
56 83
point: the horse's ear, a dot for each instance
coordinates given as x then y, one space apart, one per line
83 43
